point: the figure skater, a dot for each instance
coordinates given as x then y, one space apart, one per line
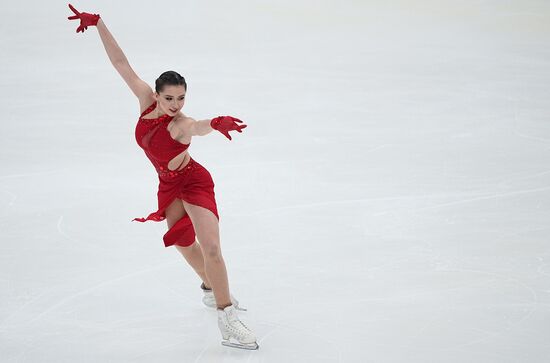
186 190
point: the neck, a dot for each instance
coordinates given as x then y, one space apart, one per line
159 112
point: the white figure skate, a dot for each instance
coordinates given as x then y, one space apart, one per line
209 300
234 333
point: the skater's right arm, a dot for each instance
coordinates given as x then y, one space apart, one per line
141 89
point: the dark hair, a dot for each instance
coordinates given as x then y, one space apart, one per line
169 78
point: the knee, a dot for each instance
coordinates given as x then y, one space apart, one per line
211 250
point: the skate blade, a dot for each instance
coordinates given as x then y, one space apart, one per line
251 346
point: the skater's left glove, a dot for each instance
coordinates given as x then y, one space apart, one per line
224 124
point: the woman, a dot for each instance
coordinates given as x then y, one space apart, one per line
186 190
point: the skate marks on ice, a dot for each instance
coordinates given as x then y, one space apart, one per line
278 343
76 294
460 197
62 232
25 175
530 306
485 197
522 133
543 269
37 299
501 305
474 197
308 346
12 197
353 201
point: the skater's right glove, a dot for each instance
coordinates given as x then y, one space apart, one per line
86 19
224 124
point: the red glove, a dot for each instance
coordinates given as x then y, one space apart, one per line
224 124
85 19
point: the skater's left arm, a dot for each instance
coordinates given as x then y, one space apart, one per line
201 127
190 126
223 124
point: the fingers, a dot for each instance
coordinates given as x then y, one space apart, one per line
234 119
239 129
225 124
74 10
73 17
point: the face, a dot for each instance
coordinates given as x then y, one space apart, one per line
171 99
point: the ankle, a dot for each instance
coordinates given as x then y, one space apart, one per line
222 307
204 287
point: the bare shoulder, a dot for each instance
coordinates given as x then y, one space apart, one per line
181 127
183 121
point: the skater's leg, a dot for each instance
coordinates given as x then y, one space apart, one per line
193 254
234 332
207 230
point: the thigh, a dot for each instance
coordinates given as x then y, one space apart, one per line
204 222
175 212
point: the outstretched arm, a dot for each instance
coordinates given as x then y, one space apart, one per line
121 64
141 89
223 124
201 127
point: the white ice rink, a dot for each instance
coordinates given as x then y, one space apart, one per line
388 202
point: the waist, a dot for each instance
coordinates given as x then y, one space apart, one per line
186 166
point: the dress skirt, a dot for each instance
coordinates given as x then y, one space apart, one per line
192 184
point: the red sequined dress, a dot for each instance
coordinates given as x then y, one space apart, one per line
192 184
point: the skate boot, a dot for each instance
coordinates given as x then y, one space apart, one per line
234 333
209 300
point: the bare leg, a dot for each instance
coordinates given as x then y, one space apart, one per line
194 256
207 230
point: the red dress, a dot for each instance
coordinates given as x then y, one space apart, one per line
192 184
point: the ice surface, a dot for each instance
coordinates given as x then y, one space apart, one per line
389 201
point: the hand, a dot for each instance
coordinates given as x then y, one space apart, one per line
224 124
86 19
